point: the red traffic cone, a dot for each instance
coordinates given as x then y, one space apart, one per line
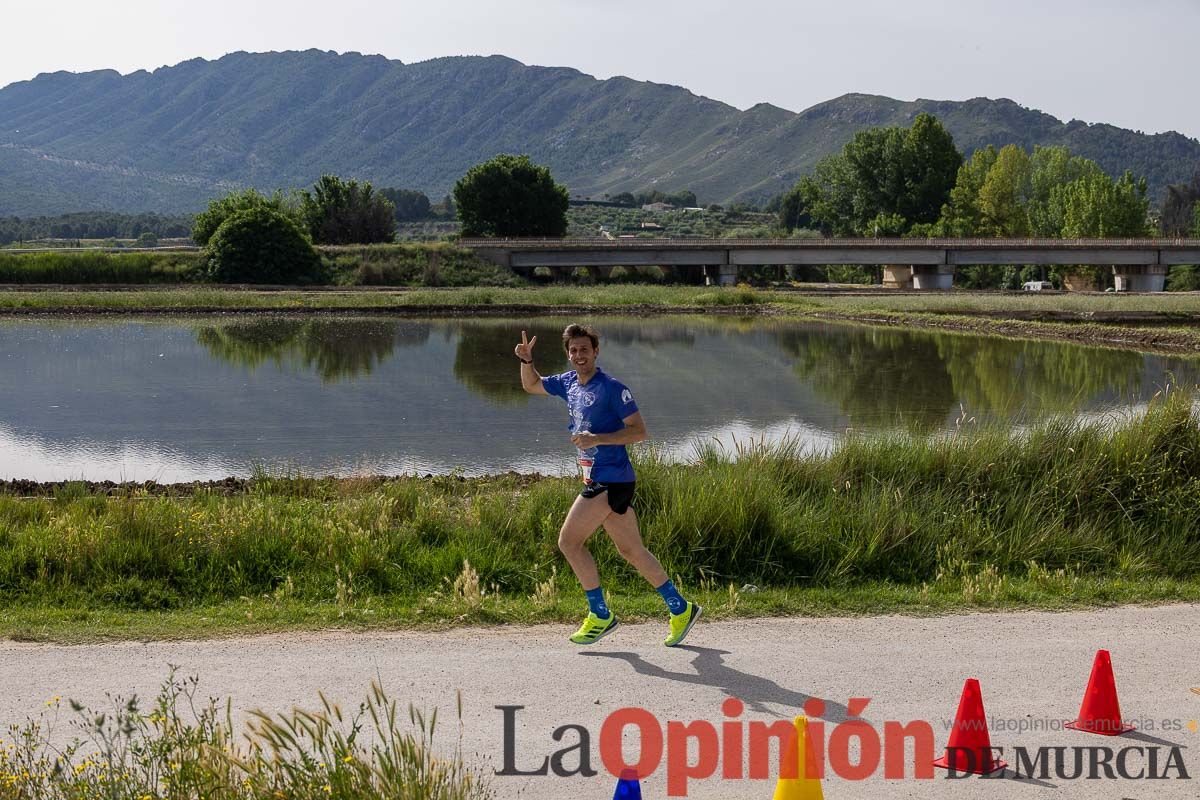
1101 711
970 746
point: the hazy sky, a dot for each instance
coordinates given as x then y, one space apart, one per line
1128 63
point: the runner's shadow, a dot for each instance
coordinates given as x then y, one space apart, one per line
1012 776
711 670
1142 736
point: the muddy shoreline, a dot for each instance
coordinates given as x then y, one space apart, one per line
232 486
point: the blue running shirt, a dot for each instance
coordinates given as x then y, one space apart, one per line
599 406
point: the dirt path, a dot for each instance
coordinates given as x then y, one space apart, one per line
1033 668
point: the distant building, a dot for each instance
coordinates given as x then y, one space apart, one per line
651 226
658 207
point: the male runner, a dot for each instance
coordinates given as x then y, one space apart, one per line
604 419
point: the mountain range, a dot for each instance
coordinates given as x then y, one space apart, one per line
169 139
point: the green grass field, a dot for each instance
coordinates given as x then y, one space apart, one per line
1064 516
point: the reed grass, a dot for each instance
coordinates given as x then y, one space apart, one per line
1067 512
185 747
100 267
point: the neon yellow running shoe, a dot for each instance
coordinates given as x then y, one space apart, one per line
681 623
594 629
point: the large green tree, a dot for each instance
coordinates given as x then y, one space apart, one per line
792 211
1096 206
962 215
890 178
260 245
410 204
510 196
1004 195
222 208
1180 205
347 212
1054 167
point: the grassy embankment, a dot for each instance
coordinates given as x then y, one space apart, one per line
1164 321
396 265
1066 516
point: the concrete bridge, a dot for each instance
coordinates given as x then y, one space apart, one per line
1138 265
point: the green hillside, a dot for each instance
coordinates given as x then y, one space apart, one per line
169 139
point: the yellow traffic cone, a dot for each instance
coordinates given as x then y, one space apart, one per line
804 786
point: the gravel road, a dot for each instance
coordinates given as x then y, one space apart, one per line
1033 668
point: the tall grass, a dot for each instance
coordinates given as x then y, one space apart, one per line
1065 499
127 752
96 267
429 264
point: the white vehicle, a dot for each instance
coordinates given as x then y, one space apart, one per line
1038 286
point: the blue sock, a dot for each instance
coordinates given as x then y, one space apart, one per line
596 603
674 600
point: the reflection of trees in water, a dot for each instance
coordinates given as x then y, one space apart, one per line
485 364
332 348
484 360
1006 378
879 378
885 378
650 333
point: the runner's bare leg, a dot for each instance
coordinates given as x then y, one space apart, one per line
623 530
585 516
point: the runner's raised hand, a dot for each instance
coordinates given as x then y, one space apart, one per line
524 350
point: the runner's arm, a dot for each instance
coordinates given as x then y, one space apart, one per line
531 381
634 431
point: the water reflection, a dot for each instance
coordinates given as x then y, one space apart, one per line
186 399
1009 379
484 360
915 380
334 349
878 378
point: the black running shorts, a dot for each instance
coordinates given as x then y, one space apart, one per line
620 495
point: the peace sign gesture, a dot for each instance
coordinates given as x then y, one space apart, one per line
524 350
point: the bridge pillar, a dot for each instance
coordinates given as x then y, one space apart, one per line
1140 278
598 273
728 274
933 276
896 276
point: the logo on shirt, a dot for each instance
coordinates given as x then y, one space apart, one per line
626 396
588 398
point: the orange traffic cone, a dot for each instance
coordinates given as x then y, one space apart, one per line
1101 711
970 746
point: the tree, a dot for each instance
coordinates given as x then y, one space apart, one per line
682 199
1004 195
340 212
792 211
1180 207
1054 166
223 208
888 173
510 196
260 245
1096 206
146 239
410 204
625 199
962 216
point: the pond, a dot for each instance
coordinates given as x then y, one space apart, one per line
185 399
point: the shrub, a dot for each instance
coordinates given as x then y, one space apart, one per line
260 245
